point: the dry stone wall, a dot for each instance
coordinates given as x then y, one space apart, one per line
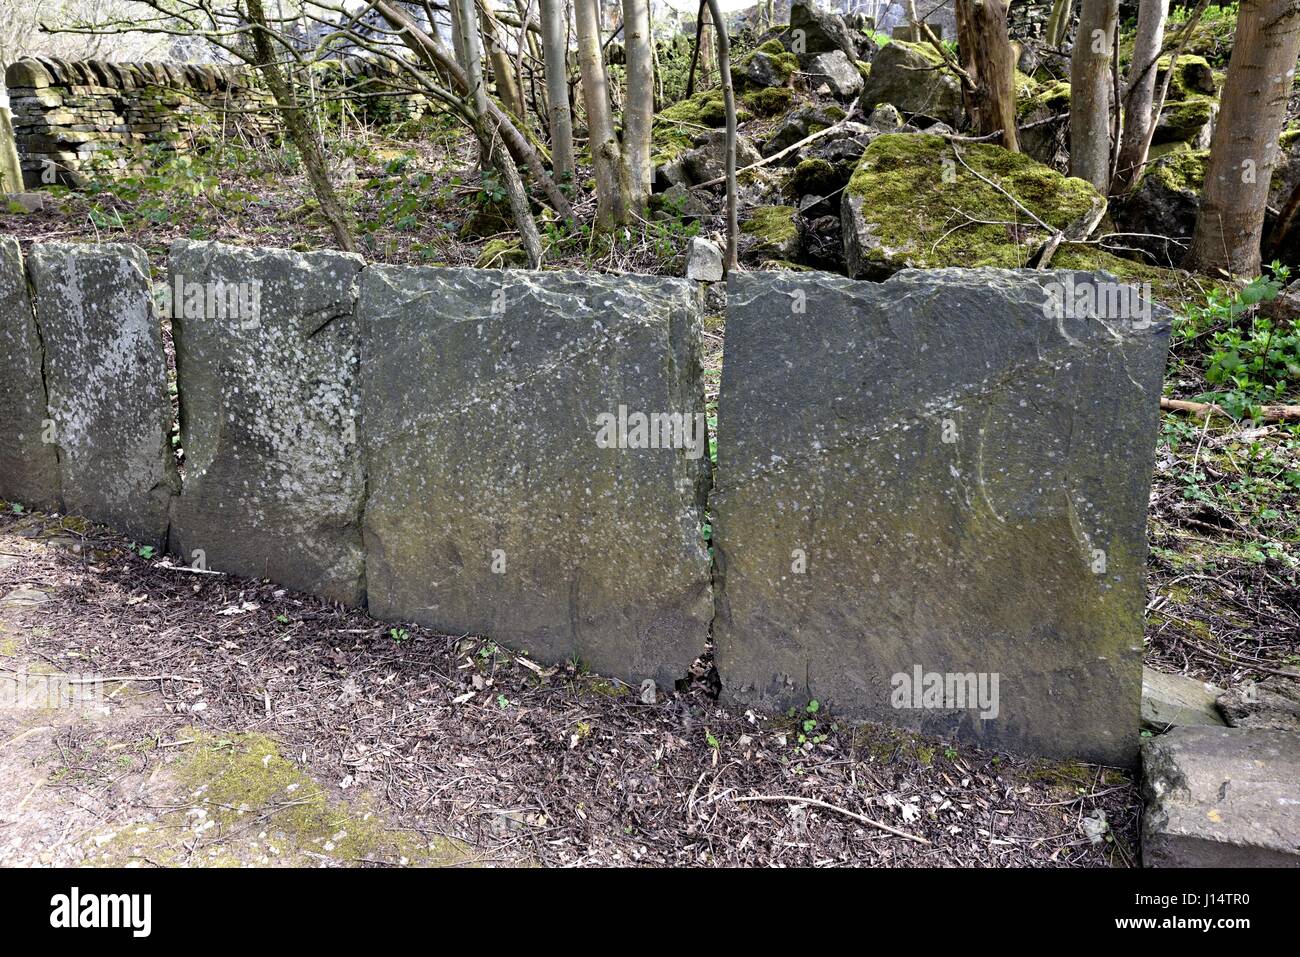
72 115
931 491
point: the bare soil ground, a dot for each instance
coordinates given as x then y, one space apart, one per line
252 725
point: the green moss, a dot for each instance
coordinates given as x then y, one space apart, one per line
501 253
1051 97
773 46
1180 87
249 805
924 49
1184 120
677 125
1169 286
814 177
911 207
1181 169
786 65
864 68
773 225
703 109
769 101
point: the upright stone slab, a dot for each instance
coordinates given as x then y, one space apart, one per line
266 356
932 484
29 466
106 379
493 509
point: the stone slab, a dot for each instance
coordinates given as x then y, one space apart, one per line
492 509
1177 700
267 366
106 381
936 476
1221 797
29 466
1273 703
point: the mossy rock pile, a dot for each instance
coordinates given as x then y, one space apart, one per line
912 203
678 126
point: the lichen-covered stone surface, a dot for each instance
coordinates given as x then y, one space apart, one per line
1221 797
492 508
106 382
269 401
933 473
29 466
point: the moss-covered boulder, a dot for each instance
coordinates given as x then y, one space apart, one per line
814 177
769 101
1191 108
683 127
770 232
912 203
1161 212
769 65
908 76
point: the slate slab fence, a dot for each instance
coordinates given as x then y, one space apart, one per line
928 507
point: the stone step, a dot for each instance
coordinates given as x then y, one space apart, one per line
1221 797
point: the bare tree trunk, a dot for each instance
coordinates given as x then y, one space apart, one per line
503 70
606 157
695 50
298 126
639 103
990 62
1253 107
494 151
1140 94
1090 92
1058 23
729 101
555 52
432 51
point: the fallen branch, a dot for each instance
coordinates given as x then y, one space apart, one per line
90 681
1269 413
838 810
1077 231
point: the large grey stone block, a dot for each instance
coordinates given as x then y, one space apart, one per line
106 381
269 401
936 474
1221 797
492 509
29 466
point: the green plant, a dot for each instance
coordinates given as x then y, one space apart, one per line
1253 359
145 551
398 635
16 508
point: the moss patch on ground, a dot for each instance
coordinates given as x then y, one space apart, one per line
246 804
